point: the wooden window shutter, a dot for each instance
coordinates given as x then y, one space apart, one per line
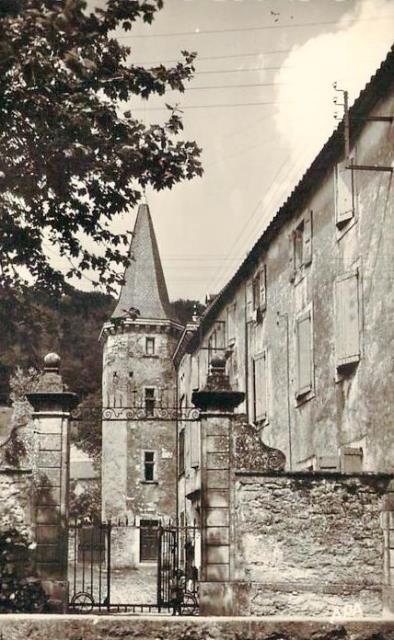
304 354
307 239
347 319
231 323
263 288
195 443
344 209
351 459
260 387
291 257
249 300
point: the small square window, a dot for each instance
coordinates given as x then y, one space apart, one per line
150 346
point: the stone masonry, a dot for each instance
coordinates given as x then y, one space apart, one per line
52 405
139 402
309 544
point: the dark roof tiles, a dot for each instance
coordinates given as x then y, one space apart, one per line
144 294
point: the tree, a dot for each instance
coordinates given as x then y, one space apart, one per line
186 309
72 155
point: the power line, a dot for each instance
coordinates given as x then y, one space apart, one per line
248 29
223 57
236 86
210 106
242 70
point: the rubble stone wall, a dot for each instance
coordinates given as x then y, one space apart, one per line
15 499
308 544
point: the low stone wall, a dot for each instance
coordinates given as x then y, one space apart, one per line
152 628
15 499
308 544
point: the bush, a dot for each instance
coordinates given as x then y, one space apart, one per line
19 593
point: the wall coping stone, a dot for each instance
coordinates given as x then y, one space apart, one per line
16 471
335 475
104 627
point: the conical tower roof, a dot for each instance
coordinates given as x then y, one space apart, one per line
144 293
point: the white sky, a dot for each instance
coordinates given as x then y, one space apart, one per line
252 154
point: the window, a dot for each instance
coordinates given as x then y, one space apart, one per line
327 463
194 443
181 451
149 401
148 471
260 387
150 346
212 342
231 324
344 194
300 246
304 354
256 291
347 322
148 540
351 459
259 289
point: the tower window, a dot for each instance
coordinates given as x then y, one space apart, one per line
149 401
150 346
149 466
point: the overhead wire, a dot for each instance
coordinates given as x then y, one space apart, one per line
240 237
236 86
256 230
212 71
293 25
276 196
210 106
220 57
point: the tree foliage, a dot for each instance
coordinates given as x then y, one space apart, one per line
33 325
20 591
186 309
72 154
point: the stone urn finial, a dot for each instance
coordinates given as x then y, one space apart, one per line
217 393
51 391
52 362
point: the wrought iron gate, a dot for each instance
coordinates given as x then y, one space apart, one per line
167 566
97 583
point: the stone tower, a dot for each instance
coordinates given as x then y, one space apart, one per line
139 393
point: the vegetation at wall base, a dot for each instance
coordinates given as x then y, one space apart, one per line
21 591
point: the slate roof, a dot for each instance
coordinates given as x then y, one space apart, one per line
145 288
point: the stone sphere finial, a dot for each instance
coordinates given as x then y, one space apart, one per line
52 361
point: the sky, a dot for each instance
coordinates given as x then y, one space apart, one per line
260 106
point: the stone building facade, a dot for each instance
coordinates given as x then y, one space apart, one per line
305 330
139 396
305 324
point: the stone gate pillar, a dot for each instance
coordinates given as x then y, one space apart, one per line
217 403
52 405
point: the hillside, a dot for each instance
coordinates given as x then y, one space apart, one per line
35 325
32 327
